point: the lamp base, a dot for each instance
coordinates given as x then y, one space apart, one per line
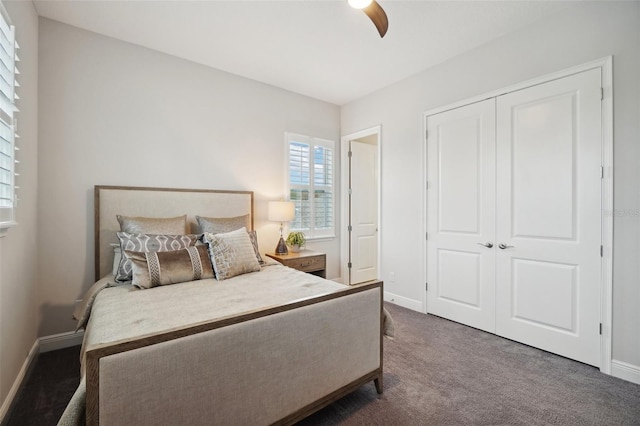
282 247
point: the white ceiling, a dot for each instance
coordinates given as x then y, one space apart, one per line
323 48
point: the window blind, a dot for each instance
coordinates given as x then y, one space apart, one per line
8 122
323 187
299 181
311 184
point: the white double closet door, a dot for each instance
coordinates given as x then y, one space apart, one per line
514 215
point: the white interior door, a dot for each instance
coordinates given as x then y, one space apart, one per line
549 216
461 215
363 171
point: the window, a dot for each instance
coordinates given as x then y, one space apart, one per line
8 122
311 184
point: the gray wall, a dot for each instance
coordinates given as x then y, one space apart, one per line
585 32
18 249
108 112
113 113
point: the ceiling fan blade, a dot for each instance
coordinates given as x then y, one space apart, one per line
376 13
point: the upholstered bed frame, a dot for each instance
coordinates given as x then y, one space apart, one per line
110 201
296 357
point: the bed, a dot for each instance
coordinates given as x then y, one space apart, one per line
269 346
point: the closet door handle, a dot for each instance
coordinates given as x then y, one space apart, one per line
504 246
487 245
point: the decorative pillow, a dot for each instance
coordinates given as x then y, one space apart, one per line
148 243
216 225
153 225
232 253
154 269
253 235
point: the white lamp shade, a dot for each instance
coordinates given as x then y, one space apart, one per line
281 211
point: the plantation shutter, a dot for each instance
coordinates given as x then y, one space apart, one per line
311 169
323 188
8 96
299 181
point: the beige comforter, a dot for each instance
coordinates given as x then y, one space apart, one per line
122 312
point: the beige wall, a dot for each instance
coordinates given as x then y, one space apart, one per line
113 113
585 32
18 285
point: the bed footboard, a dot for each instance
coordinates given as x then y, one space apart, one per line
272 366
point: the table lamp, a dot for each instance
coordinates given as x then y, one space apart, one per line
281 211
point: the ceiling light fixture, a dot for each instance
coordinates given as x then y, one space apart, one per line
374 11
359 4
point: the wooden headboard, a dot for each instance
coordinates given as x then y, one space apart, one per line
157 202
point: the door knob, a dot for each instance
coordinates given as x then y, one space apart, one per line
504 246
487 245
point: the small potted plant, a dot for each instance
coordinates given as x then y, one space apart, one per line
296 240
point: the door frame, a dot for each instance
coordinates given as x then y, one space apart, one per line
606 280
344 196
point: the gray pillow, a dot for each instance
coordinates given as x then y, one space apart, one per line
231 253
148 243
153 225
216 225
253 235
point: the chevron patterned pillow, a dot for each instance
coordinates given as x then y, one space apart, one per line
148 243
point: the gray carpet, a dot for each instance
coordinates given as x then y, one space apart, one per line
436 373
47 389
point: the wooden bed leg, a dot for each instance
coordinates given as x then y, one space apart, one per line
378 382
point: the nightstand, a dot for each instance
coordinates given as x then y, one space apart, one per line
306 261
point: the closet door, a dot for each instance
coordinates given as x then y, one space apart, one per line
461 215
549 216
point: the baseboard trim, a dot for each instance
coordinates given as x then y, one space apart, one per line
60 341
8 401
405 302
625 371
